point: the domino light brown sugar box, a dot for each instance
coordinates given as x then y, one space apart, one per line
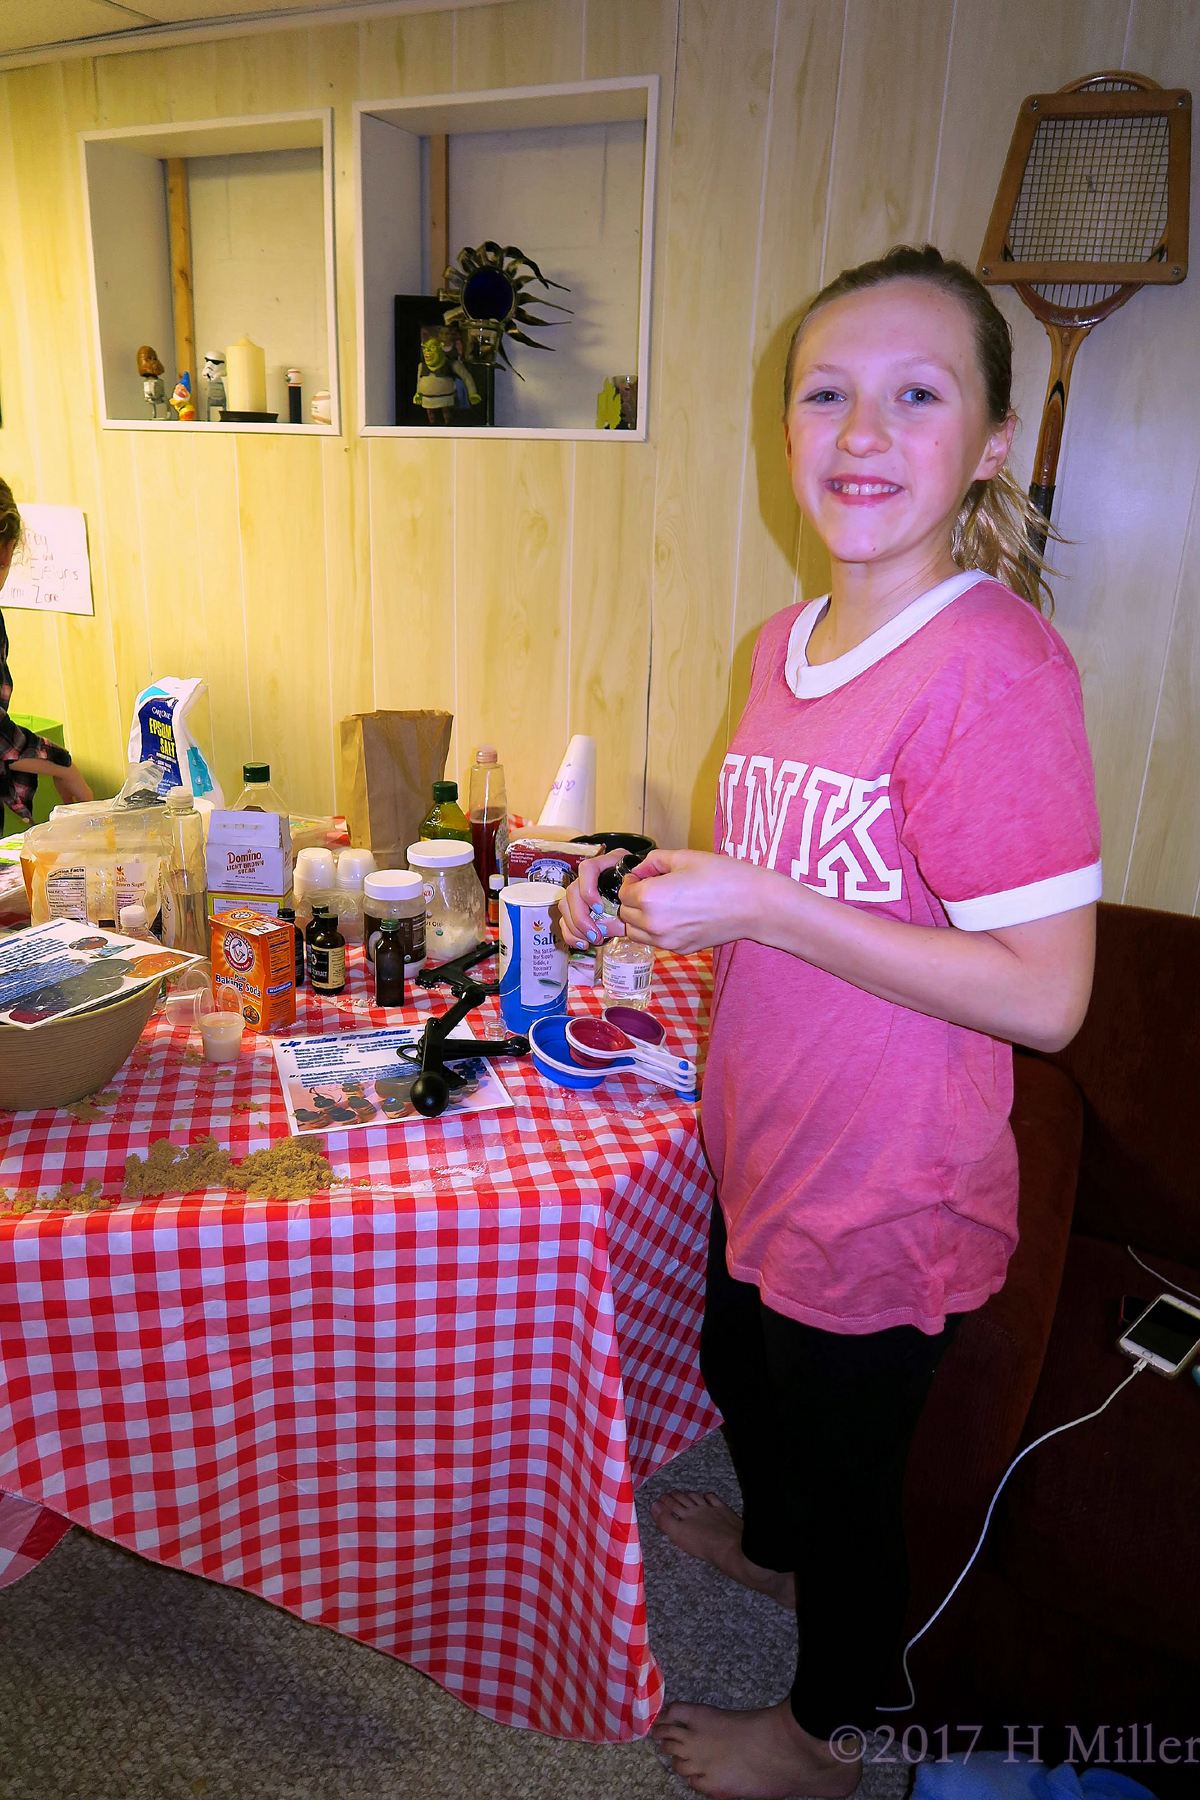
255 956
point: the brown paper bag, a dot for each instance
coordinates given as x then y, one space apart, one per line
390 761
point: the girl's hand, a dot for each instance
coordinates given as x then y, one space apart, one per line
578 924
686 900
68 782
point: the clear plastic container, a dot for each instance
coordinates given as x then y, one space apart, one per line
185 891
314 877
455 909
396 894
258 795
353 867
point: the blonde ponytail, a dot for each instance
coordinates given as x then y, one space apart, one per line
993 532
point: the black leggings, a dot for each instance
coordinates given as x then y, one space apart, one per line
819 1426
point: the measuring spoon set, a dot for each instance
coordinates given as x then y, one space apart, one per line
579 1052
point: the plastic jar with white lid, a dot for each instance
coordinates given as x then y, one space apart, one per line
455 909
396 894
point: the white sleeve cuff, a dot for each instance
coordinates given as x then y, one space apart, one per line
1020 906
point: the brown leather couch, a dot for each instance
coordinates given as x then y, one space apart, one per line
1084 1606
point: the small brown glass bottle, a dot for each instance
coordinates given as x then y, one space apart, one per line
288 914
326 952
389 964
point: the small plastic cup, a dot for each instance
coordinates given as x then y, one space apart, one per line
190 1006
222 1034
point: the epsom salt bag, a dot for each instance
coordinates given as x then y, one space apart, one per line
390 761
159 735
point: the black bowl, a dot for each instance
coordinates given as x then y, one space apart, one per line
628 841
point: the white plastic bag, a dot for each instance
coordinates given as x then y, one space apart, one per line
159 734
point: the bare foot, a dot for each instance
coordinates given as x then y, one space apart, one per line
761 1755
704 1526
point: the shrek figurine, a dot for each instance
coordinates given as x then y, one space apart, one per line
436 379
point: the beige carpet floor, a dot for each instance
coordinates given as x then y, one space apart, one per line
121 1680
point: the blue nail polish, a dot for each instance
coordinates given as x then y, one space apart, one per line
597 911
593 937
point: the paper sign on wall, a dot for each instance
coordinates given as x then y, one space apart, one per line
50 570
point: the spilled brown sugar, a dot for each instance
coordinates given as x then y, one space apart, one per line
290 1170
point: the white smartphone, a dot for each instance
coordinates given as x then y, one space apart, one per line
1167 1334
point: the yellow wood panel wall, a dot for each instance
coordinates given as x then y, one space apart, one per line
536 589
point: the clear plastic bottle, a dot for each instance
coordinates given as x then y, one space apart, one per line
258 795
185 891
487 810
134 924
445 818
626 972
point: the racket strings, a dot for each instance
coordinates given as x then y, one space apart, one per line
1094 190
1074 297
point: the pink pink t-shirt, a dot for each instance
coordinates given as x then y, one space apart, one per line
939 774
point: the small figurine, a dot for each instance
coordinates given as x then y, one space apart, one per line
214 376
150 370
437 386
181 399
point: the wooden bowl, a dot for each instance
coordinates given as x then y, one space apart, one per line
64 1059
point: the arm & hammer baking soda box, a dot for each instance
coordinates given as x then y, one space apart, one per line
256 957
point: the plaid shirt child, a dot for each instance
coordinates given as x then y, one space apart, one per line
16 787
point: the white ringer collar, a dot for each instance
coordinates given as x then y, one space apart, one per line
825 678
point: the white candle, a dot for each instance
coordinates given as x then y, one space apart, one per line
246 376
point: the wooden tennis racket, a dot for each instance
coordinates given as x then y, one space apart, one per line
1092 205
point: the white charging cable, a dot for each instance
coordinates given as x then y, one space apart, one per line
912 1692
1162 1278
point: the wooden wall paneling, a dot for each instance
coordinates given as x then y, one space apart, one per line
334 76
116 533
1164 862
136 90
707 278
406 56
611 561
268 73
808 49
516 45
45 115
512 581
411 487
33 638
281 507
214 504
172 546
630 37
889 105
999 55
1126 477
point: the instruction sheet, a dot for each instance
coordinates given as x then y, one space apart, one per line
355 1079
66 967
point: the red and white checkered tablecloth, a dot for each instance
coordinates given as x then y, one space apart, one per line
413 1409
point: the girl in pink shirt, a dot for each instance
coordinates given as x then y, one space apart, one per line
904 882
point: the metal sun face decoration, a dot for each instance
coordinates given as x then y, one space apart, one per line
487 292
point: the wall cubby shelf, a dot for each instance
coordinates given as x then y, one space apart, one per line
564 172
258 199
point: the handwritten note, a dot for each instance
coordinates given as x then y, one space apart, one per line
50 571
